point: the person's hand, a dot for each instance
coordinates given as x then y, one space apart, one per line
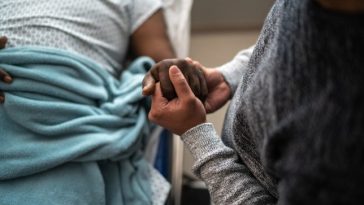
160 73
181 113
4 76
219 92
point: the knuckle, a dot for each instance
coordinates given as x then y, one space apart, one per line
154 67
191 101
166 63
154 116
169 93
186 64
180 80
151 116
183 64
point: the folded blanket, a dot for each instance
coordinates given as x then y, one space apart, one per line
70 133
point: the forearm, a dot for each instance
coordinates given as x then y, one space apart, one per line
234 70
228 181
151 39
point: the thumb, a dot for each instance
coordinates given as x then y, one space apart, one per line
157 95
148 84
180 84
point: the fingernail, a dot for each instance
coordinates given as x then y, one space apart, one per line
8 79
144 92
174 70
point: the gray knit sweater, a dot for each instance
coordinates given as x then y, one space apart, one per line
294 131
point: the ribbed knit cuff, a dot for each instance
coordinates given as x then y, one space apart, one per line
234 70
202 140
229 75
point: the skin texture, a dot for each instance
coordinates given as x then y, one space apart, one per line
181 113
4 76
207 84
151 39
219 92
185 110
160 73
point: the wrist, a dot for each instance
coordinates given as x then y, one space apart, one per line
190 127
196 130
202 141
223 83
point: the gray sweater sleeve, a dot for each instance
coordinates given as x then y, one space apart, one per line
228 181
236 68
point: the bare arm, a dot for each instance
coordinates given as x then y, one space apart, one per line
151 39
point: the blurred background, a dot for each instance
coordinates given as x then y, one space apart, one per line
219 29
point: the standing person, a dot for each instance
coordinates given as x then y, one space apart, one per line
293 133
73 123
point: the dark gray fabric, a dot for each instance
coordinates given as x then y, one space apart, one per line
298 113
228 181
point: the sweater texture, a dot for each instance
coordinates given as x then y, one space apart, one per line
293 133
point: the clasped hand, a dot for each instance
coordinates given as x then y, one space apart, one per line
183 91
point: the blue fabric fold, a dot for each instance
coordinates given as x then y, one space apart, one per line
70 132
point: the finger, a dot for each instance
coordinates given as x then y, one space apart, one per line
193 74
158 101
194 83
2 97
158 104
189 60
190 73
203 87
5 77
148 84
157 95
3 41
199 65
180 84
161 74
208 107
166 84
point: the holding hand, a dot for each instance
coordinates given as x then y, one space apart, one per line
207 84
160 73
219 91
4 76
181 113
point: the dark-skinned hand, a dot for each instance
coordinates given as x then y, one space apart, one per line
160 73
4 76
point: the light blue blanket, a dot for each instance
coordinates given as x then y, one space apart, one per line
70 133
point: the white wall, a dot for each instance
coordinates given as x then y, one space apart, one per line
229 14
